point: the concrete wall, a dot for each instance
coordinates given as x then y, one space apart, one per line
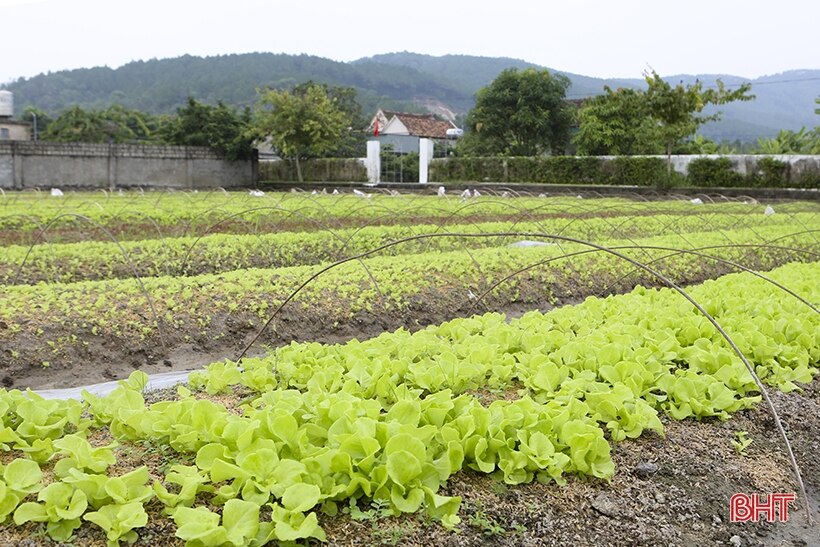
45 164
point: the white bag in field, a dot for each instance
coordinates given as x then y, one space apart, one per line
56 192
769 211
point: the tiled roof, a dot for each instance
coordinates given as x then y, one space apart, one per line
422 125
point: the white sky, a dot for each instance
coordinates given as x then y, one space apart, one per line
601 38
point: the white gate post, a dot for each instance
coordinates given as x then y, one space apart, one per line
373 163
425 157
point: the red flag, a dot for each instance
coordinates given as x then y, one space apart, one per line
376 128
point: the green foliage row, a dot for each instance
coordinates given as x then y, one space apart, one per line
640 171
71 262
136 215
118 311
770 173
388 421
621 170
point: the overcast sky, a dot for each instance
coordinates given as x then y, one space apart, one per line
602 38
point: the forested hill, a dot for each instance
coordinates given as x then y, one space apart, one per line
160 86
783 101
468 73
406 81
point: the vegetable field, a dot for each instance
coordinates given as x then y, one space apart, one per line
406 369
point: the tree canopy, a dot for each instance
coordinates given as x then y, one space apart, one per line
351 143
301 123
791 142
115 124
659 119
218 127
521 113
677 109
617 123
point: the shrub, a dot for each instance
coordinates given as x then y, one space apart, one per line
473 169
773 173
571 170
635 170
808 178
713 172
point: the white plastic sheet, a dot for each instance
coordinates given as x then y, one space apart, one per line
155 381
529 243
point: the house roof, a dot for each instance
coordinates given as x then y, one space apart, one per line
425 125
418 125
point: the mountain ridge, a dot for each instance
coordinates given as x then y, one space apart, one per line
402 80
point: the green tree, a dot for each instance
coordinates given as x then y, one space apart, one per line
78 125
521 113
701 145
301 124
676 109
617 123
344 98
115 124
352 143
791 142
133 124
218 127
38 119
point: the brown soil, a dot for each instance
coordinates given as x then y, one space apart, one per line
27 361
97 358
124 230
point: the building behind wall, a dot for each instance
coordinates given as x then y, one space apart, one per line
10 129
402 130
